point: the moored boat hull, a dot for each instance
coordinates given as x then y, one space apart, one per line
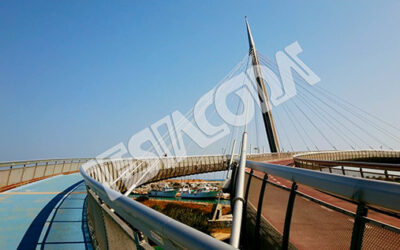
201 195
170 194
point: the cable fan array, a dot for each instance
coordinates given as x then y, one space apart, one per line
314 119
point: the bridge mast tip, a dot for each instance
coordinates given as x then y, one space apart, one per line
249 36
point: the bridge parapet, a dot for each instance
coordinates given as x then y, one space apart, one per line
272 156
124 174
115 218
128 219
17 173
363 163
285 210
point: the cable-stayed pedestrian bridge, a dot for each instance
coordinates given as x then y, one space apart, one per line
297 196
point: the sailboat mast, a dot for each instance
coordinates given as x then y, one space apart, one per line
263 96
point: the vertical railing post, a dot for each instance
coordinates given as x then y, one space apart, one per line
233 180
288 218
361 172
259 211
246 197
62 168
343 172
386 174
358 227
22 175
9 174
45 169
34 171
54 168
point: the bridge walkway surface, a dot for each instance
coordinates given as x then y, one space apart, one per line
47 214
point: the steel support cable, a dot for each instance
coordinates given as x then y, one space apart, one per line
314 125
236 69
290 145
229 141
343 101
238 201
326 117
339 122
365 119
267 61
256 127
292 120
230 74
321 115
244 65
235 128
235 132
151 147
281 126
247 104
320 132
304 130
256 121
334 118
346 118
326 92
221 82
295 126
324 120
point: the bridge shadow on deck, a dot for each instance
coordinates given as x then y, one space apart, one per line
61 224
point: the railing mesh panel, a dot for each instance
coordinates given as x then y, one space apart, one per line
316 226
273 209
378 237
269 236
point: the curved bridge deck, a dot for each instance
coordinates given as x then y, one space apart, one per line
51 213
48 214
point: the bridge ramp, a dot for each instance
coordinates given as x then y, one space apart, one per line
48 214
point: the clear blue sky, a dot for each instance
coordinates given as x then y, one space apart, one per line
77 77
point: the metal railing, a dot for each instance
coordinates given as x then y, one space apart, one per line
161 229
363 163
343 155
125 174
21 172
168 233
356 229
272 156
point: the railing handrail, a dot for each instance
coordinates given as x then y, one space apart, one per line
305 153
160 228
28 162
372 165
373 192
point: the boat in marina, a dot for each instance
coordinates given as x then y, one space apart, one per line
201 193
164 192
